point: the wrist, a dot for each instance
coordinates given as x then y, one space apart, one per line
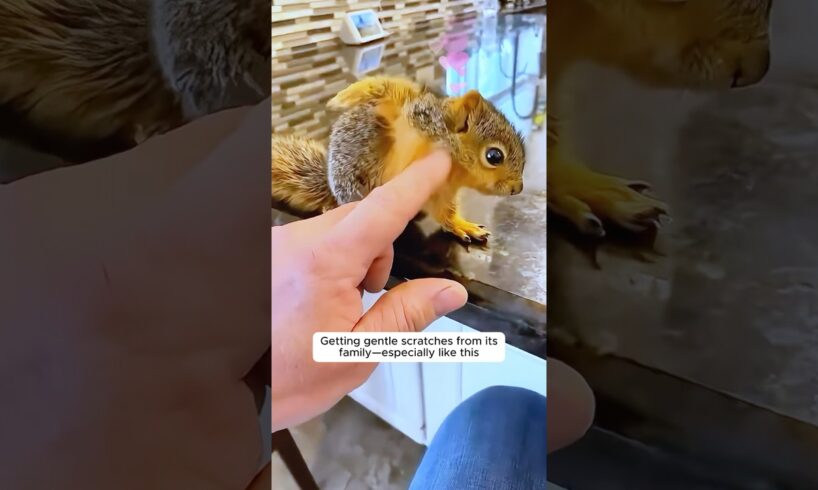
292 410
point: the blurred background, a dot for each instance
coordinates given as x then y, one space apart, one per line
699 339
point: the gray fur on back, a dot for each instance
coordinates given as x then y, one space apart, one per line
360 138
426 115
214 53
354 159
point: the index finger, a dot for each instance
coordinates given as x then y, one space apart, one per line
382 215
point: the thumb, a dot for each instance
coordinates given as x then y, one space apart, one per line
412 306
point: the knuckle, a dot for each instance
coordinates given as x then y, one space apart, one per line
410 317
311 262
398 317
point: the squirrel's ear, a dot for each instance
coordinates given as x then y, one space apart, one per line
464 106
471 100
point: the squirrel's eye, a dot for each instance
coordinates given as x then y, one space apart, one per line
495 156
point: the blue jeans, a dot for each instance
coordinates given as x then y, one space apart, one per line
494 440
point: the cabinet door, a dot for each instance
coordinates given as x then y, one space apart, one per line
415 398
442 383
394 393
519 369
446 385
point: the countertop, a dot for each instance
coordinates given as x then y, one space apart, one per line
503 57
702 339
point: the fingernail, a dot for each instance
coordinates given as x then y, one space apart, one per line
449 299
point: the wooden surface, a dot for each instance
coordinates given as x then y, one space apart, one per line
285 445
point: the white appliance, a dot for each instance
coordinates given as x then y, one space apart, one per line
361 27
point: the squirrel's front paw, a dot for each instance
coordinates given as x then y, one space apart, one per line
589 199
468 232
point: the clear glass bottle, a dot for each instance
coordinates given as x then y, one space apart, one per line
489 7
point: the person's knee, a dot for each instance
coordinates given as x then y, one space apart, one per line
571 405
503 420
501 400
496 413
504 394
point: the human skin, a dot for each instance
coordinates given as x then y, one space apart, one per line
132 306
321 266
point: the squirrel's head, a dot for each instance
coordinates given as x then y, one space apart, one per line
489 149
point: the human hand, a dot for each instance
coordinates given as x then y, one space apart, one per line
320 267
132 307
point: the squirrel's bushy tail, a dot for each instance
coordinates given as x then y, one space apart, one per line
299 174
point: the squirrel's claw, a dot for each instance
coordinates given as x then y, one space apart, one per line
589 199
645 219
592 226
469 232
639 186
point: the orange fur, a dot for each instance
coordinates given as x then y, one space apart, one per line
699 44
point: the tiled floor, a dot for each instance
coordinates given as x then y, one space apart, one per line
349 448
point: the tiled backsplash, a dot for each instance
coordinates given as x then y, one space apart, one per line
303 81
501 58
445 44
300 22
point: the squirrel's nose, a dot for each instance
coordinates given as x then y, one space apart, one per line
518 188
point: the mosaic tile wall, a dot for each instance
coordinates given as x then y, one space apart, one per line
306 77
299 22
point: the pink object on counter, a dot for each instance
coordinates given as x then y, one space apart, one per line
456 61
457 87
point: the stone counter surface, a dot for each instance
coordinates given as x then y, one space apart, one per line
704 342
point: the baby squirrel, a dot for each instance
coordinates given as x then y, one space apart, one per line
386 124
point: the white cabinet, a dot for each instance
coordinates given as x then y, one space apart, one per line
415 398
394 392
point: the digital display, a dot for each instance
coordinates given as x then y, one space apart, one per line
367 24
370 59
